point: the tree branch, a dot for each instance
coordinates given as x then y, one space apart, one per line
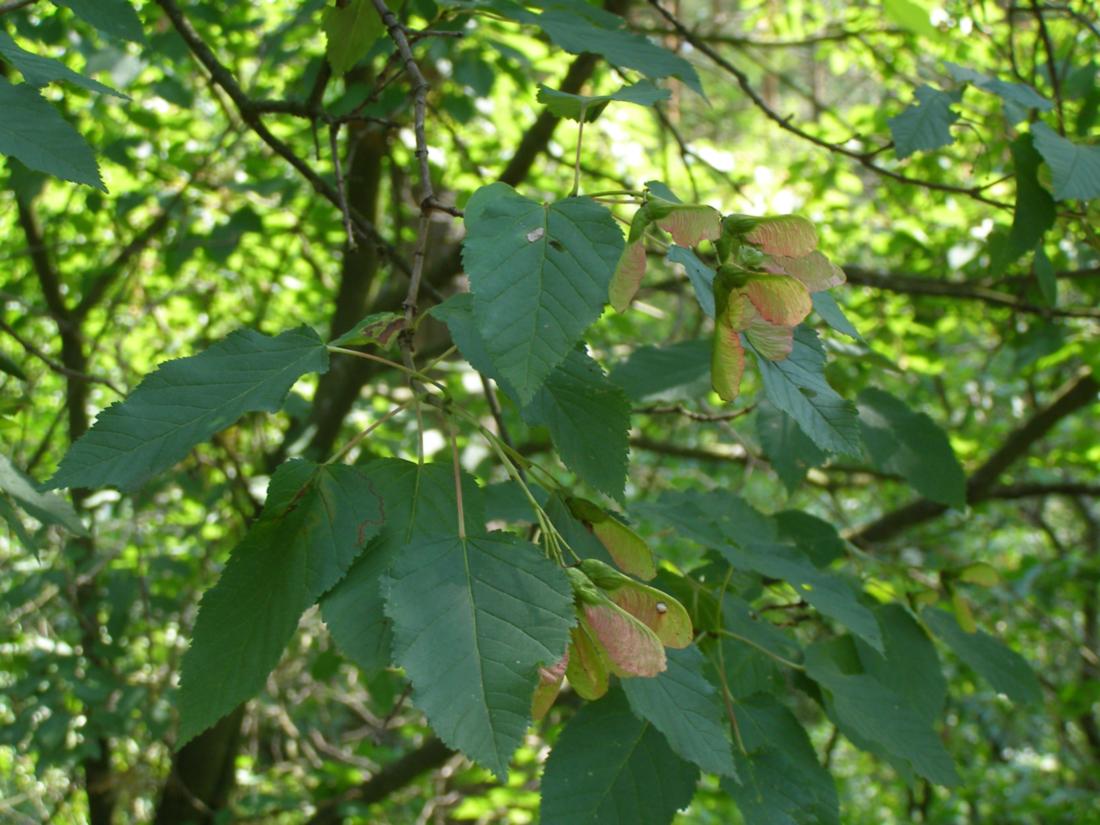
251 116
915 285
1079 392
392 777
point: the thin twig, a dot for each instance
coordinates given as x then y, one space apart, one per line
1055 82
680 409
15 5
56 366
341 185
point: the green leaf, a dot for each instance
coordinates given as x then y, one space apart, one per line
539 275
911 445
588 416
48 508
748 628
589 421
874 715
670 372
38 71
815 537
1035 212
782 781
1020 94
712 518
606 37
789 450
12 518
700 275
610 768
910 15
908 665
1045 276
574 107
1075 167
926 124
115 18
316 521
186 401
473 620
830 593
34 132
826 306
419 502
350 31
686 708
797 386
1005 669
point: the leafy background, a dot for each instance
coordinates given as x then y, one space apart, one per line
946 154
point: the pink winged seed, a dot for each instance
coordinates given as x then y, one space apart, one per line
815 271
773 341
779 299
628 275
784 235
689 225
632 648
727 362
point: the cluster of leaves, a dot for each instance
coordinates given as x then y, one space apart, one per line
490 593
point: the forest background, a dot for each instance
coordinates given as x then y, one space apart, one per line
868 515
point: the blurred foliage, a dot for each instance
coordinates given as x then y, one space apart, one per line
203 227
